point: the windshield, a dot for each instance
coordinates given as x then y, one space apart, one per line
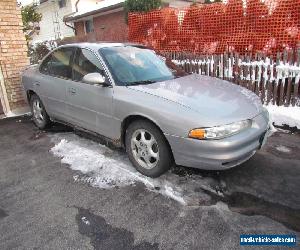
131 65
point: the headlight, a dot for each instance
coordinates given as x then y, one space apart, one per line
219 132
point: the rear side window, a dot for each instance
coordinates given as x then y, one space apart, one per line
85 62
61 63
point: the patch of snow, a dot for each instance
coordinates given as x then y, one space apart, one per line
89 157
10 114
175 195
281 115
85 221
283 70
221 206
105 168
283 149
288 67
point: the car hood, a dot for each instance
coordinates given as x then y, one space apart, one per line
211 97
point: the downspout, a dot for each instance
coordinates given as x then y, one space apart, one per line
76 10
76 5
70 26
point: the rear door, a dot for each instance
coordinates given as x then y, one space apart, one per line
55 76
89 106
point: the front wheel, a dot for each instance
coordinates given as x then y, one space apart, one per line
39 114
148 149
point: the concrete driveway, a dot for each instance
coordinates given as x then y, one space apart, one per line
45 204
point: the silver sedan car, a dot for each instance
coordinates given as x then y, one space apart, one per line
143 102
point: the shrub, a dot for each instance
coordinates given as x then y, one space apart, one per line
140 6
37 51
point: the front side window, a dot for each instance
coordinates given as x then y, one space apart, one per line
131 65
61 63
85 62
89 26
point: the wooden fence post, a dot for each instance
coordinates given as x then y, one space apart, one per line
290 75
296 92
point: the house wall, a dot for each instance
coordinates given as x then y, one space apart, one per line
49 8
79 26
47 26
13 56
109 27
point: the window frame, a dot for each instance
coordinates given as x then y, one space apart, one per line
62 3
85 30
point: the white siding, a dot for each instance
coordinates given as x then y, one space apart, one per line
48 10
47 25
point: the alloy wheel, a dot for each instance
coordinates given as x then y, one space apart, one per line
145 148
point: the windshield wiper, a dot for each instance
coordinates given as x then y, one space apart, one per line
139 83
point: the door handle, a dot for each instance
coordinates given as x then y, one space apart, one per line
36 84
72 91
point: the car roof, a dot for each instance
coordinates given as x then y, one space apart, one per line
99 45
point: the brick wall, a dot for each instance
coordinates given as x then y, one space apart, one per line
110 27
79 27
13 55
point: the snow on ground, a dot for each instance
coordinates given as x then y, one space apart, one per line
105 168
283 149
11 114
281 115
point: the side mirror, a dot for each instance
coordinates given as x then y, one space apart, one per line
95 78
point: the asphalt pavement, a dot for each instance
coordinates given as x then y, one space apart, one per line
42 207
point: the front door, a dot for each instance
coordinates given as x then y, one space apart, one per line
89 106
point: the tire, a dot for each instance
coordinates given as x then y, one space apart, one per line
148 149
39 114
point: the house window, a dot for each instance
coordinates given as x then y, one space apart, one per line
89 26
61 3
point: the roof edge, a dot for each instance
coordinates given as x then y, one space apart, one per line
93 12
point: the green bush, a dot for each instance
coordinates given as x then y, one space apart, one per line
29 17
140 6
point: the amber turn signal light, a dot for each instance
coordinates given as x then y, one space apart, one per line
197 133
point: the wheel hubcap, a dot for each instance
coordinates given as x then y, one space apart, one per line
145 148
38 111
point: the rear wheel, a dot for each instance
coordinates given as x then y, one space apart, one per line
39 114
148 149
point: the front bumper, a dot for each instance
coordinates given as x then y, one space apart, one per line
224 153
